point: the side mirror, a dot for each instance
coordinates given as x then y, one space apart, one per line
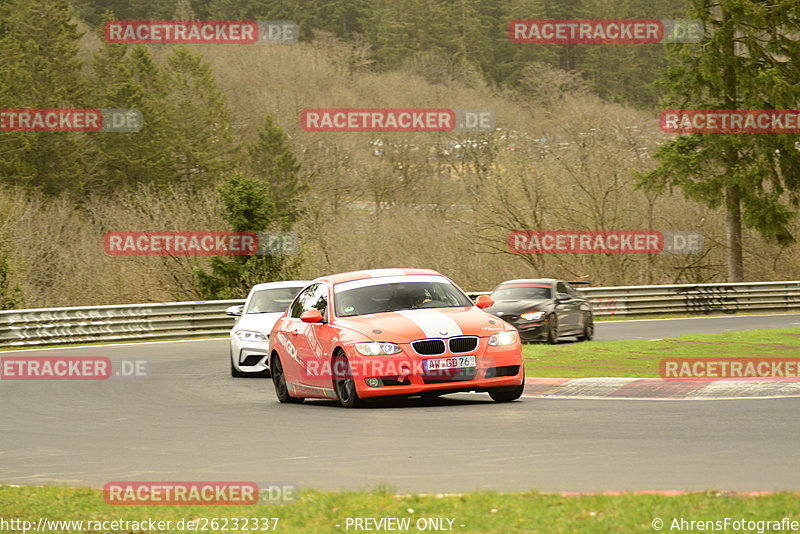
311 316
235 311
484 301
563 297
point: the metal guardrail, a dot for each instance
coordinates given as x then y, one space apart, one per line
693 299
50 326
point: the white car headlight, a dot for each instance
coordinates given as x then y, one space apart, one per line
377 349
250 335
509 337
533 316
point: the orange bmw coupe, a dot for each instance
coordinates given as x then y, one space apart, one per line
392 332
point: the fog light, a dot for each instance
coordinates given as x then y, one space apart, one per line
374 382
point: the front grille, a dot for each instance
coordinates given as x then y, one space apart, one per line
428 347
388 382
507 370
463 344
450 375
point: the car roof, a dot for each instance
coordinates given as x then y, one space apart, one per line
283 283
371 273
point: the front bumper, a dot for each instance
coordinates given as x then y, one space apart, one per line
249 356
532 331
404 374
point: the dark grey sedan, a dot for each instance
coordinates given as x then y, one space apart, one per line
543 309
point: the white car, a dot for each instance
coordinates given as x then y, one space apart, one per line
250 335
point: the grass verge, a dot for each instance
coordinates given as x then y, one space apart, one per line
480 512
640 358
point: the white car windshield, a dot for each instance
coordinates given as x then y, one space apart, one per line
274 300
357 299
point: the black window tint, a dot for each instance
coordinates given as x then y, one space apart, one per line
571 290
317 300
299 304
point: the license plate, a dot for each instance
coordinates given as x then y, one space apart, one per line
454 362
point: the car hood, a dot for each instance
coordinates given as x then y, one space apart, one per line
258 322
405 326
516 307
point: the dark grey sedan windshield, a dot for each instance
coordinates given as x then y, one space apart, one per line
522 292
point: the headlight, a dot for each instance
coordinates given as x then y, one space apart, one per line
509 337
377 349
250 335
533 316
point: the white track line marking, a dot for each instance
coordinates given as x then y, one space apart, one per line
532 396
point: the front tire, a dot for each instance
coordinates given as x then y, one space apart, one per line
507 394
588 329
235 373
552 329
343 382
279 381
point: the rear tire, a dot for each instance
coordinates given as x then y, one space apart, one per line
279 381
343 382
588 329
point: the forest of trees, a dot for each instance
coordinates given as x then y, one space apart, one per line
466 34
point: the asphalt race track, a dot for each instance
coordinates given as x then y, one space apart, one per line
661 328
189 420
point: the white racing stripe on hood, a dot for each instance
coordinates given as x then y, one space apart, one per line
433 323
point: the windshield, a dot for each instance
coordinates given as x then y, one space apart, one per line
394 296
522 292
274 300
